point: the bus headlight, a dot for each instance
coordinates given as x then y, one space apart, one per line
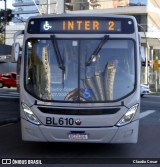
127 118
29 115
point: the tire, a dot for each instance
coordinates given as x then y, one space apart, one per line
9 86
142 95
1 85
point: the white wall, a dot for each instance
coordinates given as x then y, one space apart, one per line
10 30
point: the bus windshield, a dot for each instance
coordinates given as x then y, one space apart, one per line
109 77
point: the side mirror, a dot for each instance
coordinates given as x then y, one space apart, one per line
15 52
142 54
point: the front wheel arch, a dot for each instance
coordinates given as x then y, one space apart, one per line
1 84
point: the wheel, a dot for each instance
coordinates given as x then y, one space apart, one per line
8 86
1 85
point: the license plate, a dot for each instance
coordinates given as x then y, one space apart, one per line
78 136
55 121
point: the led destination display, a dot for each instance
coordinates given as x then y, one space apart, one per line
80 25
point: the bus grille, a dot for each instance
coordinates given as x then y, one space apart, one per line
64 111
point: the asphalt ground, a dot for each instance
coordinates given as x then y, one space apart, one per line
12 146
9 112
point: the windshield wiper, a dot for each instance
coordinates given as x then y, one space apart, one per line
57 53
95 53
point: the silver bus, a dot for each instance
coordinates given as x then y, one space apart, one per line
80 79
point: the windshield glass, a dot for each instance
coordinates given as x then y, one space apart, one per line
109 77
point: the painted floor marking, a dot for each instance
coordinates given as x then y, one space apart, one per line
146 113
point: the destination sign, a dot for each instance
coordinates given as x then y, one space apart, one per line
80 25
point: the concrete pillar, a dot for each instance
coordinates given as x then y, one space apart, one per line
147 51
60 6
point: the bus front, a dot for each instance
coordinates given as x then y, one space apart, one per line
80 78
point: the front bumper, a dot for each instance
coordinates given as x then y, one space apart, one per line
124 134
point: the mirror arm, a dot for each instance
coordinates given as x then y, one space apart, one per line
20 32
